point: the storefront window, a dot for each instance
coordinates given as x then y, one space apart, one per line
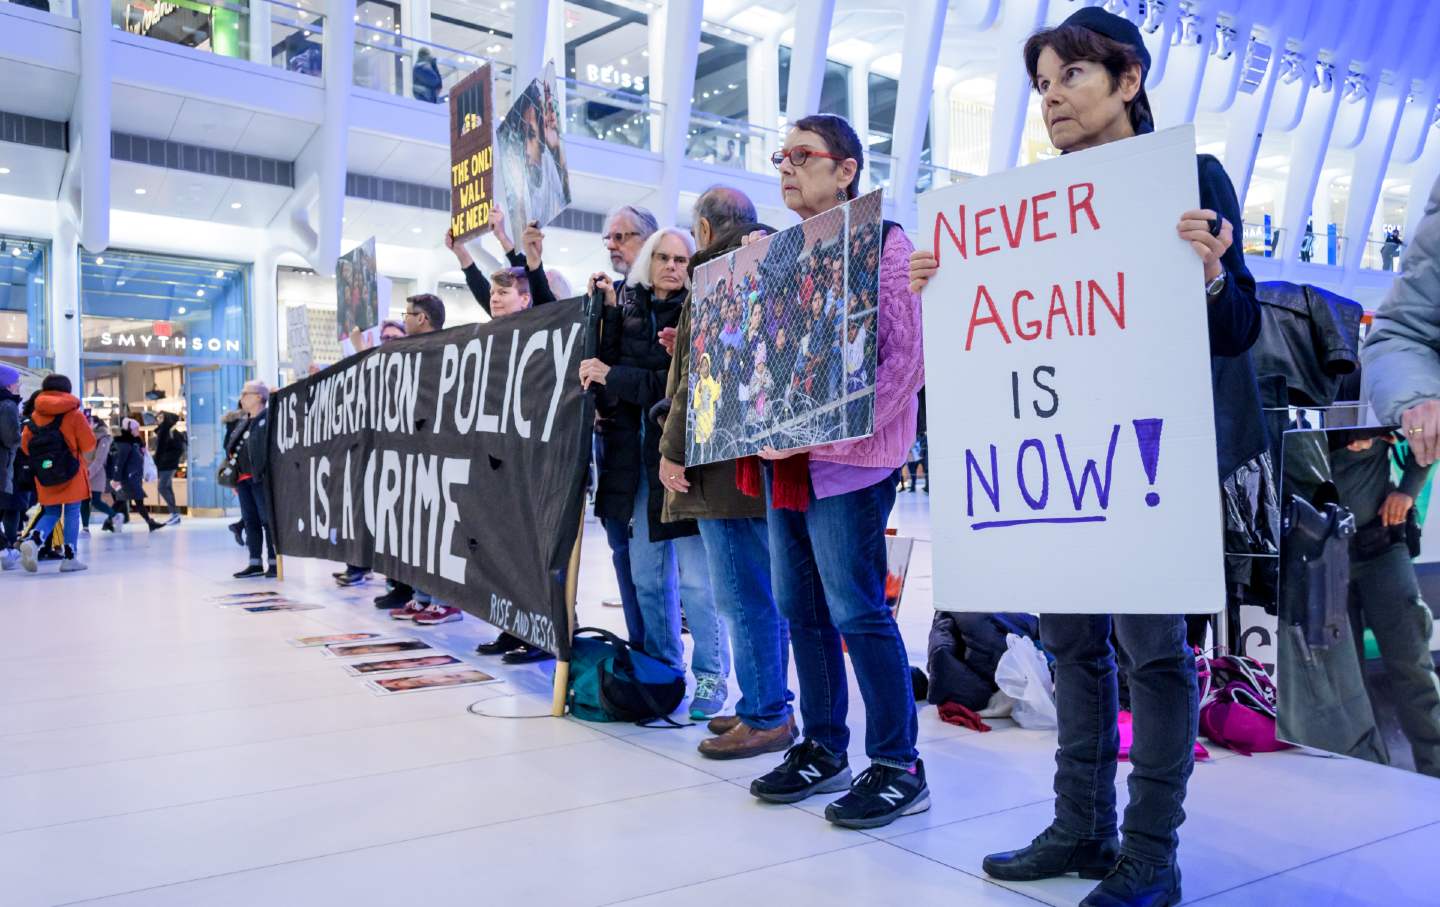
167 335
24 277
834 89
480 28
221 28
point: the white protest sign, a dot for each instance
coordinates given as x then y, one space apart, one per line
1071 424
297 331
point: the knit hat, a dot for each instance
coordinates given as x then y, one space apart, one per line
1121 30
9 375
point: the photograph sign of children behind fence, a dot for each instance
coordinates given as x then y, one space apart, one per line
357 289
1066 332
783 350
531 150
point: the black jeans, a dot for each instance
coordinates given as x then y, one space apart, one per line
1164 702
255 511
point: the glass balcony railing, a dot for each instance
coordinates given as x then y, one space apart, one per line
294 33
1380 255
396 64
732 143
1255 241
219 28
611 114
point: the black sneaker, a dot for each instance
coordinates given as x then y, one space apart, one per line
881 795
809 768
252 570
392 600
238 530
500 645
526 655
351 578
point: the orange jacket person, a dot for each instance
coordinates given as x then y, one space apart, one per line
57 439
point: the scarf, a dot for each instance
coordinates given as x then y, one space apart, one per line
790 487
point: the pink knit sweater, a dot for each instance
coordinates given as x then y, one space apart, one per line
899 375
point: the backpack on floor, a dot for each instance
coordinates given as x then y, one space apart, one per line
609 681
1237 704
51 458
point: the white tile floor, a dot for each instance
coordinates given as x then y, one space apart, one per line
156 749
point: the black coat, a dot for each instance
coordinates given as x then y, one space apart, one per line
9 437
251 438
639 366
169 444
127 466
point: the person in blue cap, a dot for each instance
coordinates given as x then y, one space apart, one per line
1090 74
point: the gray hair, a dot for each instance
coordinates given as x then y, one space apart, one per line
725 207
259 387
644 220
641 271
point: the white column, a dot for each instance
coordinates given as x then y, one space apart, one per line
92 123
414 24
265 314
529 40
555 37
1307 157
1012 83
681 44
940 115
339 57
924 27
859 112
1372 159
1175 97
259 33
807 59
64 299
762 83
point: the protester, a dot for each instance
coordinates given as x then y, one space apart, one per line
11 506
251 453
57 439
127 472
629 374
532 239
99 483
170 446
828 507
626 230
1402 352
424 314
732 525
1090 74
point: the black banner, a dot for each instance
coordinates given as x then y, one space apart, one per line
452 461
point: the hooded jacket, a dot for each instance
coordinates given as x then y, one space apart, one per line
49 406
128 466
170 444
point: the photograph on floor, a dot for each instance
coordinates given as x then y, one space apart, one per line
434 680
306 642
238 598
393 665
388 647
783 351
530 148
249 602
283 604
1356 670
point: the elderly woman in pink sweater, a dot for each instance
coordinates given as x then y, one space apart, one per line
827 515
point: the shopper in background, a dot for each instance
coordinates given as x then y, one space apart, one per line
1090 75
58 440
233 422
667 560
732 524
425 77
127 472
170 446
99 482
11 510
251 453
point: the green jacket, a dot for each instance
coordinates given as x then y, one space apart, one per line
1401 356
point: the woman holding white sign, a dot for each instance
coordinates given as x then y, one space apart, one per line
1090 74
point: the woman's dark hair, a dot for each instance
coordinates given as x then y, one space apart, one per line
56 383
1075 43
840 138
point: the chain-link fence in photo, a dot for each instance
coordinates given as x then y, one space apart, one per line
783 338
530 153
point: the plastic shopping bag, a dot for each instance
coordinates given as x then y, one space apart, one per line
1023 674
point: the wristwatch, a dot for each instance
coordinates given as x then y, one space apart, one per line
1214 288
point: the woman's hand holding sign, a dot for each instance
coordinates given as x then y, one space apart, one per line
923 265
593 371
1210 242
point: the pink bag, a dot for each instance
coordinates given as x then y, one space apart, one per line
1127 735
1237 704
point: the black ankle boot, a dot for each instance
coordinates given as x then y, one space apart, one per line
1136 884
1055 853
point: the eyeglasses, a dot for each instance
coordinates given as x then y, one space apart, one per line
800 154
665 259
413 313
617 238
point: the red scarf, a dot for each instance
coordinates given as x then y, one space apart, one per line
789 488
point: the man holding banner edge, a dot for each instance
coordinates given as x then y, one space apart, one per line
1090 74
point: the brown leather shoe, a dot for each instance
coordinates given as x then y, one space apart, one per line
743 741
722 724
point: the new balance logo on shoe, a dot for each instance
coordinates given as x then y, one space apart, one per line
891 795
811 774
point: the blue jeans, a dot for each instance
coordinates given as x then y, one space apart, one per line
255 511
1164 702
654 567
51 515
828 569
617 533
739 556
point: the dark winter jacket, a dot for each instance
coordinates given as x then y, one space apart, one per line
713 493
9 438
169 444
127 465
964 650
251 438
628 451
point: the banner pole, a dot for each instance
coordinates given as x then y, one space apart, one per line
572 585
280 567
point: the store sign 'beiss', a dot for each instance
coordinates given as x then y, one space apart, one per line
161 338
